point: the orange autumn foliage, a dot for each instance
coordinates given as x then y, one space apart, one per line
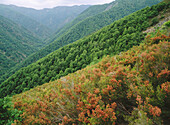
101 93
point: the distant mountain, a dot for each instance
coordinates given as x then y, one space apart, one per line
16 43
28 23
110 40
54 18
108 14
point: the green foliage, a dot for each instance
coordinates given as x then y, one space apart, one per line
166 1
167 23
81 27
138 117
16 43
7 113
154 21
113 39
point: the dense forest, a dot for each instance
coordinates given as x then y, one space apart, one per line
129 88
116 10
16 44
110 40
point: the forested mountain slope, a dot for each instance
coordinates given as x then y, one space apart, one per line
129 88
102 15
16 43
53 18
113 39
86 23
91 11
28 23
119 9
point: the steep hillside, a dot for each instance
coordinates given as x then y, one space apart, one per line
54 18
96 17
87 26
28 23
130 88
16 43
113 39
86 23
91 11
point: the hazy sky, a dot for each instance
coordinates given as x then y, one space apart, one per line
39 4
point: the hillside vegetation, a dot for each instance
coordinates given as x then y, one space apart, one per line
119 9
129 88
96 17
90 25
16 43
113 39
